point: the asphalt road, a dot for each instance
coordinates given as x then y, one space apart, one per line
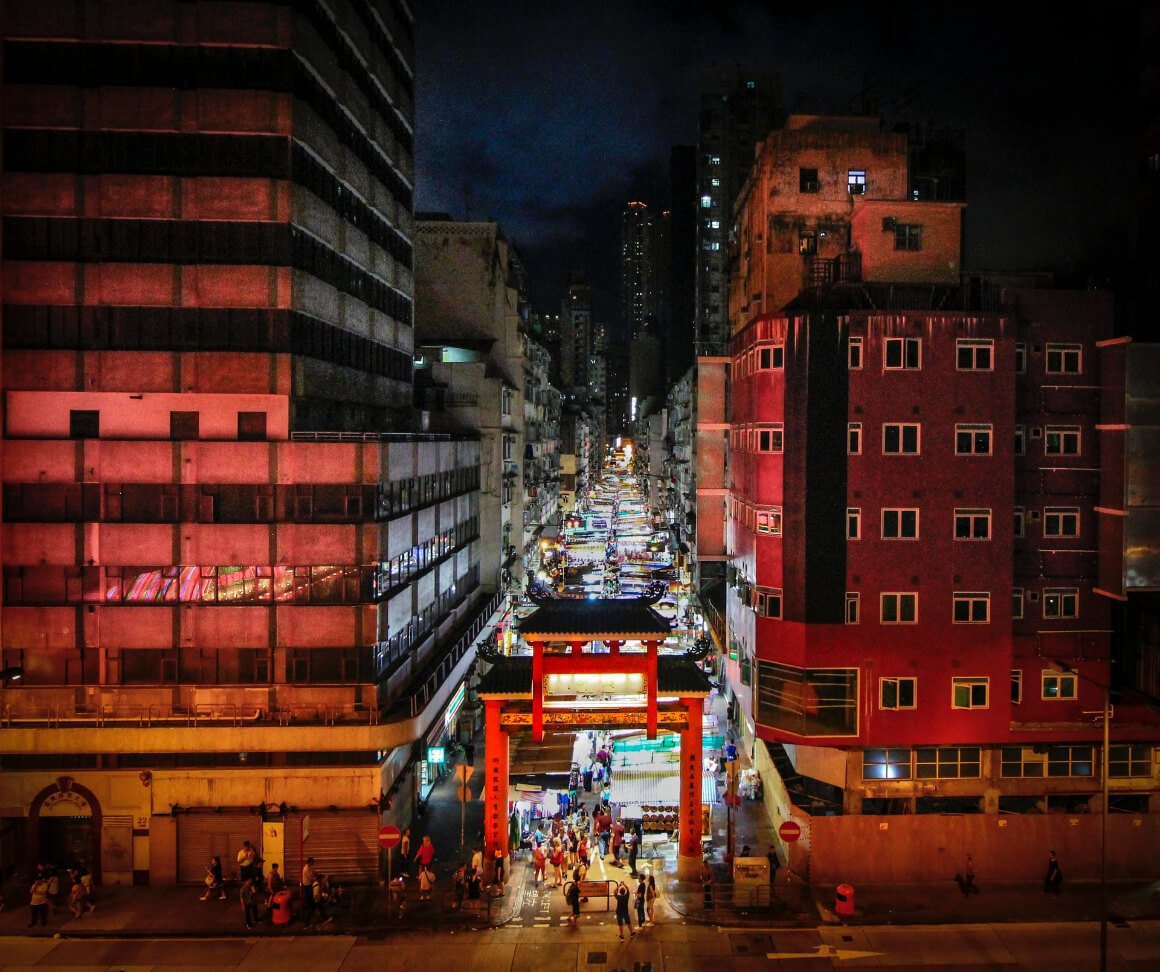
594 947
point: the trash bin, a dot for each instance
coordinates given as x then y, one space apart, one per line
844 903
280 908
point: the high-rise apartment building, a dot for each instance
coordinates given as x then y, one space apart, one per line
637 267
241 588
925 526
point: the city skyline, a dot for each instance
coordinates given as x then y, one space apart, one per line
575 116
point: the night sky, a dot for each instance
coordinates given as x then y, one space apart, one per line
549 116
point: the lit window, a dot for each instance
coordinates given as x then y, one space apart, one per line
706 202
897 693
886 764
902 353
807 244
769 521
853 523
854 438
856 181
1061 440
908 236
970 693
714 160
972 524
899 608
853 607
974 355
973 608
901 439
1058 686
1017 604
715 183
1061 602
854 356
1064 359
900 524
714 224
1061 521
972 440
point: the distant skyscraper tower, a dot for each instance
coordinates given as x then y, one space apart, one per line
575 335
738 109
637 286
681 257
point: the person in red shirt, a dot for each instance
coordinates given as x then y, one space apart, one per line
426 852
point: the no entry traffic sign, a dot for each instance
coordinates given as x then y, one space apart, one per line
389 836
789 831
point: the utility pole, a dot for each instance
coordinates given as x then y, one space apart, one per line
463 771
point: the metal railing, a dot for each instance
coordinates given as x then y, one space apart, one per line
441 670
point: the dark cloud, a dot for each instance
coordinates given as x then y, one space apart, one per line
549 116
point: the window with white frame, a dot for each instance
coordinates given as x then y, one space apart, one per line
856 181
971 524
854 354
1017 604
854 438
970 693
972 354
947 763
899 607
1058 686
769 521
768 602
902 353
1061 521
1017 685
1064 359
853 607
770 356
1020 440
898 693
1130 760
853 523
972 439
901 438
1061 602
508 446
1061 440
1070 761
899 524
971 607
769 439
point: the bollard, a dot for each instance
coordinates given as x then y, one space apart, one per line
844 902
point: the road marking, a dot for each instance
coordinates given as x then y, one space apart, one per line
824 951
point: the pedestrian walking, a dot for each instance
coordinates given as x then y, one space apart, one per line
460 883
639 899
317 897
54 890
425 855
539 864
426 882
622 915
38 901
617 840
309 878
633 842
1053 880
968 884
774 864
557 862
249 898
707 884
274 884
476 860
499 861
572 896
650 899
214 880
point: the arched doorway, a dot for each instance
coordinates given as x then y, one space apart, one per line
64 824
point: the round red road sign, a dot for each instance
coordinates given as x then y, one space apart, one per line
389 836
789 831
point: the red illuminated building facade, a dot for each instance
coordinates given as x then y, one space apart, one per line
240 582
925 515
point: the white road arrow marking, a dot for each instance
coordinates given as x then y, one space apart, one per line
824 951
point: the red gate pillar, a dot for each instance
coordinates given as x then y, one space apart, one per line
495 790
651 677
689 855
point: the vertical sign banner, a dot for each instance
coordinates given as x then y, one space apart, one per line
273 846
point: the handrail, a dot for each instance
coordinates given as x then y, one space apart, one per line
422 695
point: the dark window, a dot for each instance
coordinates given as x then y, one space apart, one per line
184 425
251 426
808 180
84 424
907 236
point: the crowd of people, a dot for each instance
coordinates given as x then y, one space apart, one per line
57 889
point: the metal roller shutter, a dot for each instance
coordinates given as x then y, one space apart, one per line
201 836
344 846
